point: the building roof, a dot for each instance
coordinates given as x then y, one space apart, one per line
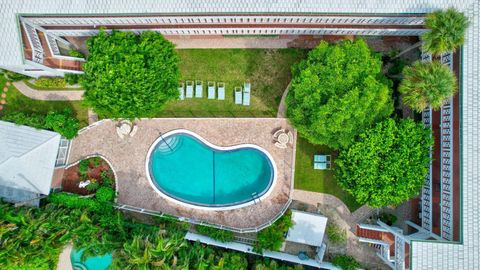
308 229
11 48
431 255
27 157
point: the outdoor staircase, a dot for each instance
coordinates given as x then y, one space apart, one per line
32 35
370 234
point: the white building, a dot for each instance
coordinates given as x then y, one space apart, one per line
27 162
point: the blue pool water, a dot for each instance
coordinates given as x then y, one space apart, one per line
186 169
91 263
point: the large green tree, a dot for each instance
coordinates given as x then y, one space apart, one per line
388 164
337 93
447 31
427 84
128 75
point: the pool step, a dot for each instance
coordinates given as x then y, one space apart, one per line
168 145
79 266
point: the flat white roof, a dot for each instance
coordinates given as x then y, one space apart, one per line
27 157
309 229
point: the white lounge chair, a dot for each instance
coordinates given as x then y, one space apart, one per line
238 95
320 158
320 166
198 89
211 90
189 93
181 91
246 94
221 91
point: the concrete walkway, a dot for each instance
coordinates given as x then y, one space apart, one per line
220 42
282 108
51 95
331 202
64 262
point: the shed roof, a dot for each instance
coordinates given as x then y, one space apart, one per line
27 157
309 228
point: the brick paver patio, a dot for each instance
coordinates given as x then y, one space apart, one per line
128 157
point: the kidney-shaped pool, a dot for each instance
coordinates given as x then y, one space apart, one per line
185 167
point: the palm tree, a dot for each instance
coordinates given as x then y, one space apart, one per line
427 84
447 31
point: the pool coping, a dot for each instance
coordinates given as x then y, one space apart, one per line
216 147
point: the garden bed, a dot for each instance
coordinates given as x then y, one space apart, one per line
51 84
98 171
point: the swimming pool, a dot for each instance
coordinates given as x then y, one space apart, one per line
91 263
188 169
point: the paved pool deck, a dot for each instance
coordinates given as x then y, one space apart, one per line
128 156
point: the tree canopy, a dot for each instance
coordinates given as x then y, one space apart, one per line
447 31
388 164
337 92
128 75
427 84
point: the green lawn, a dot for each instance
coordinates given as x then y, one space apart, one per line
306 178
16 101
267 70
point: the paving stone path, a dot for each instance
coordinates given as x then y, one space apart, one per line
282 108
3 96
332 202
51 95
338 213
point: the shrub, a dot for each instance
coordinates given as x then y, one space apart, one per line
128 75
337 93
50 82
75 53
217 234
72 78
273 237
346 262
20 118
75 201
388 218
15 77
107 181
105 194
63 123
93 185
83 167
397 67
387 165
336 234
95 161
